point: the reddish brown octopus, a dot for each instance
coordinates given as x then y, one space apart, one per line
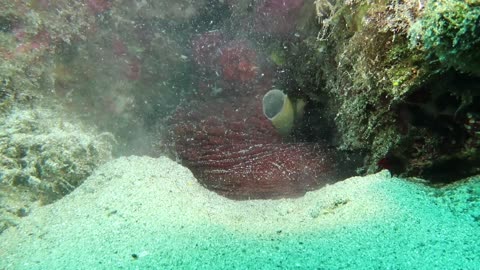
234 150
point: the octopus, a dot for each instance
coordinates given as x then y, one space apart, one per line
234 150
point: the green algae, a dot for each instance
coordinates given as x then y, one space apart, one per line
449 32
375 67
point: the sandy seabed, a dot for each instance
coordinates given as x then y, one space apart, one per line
146 213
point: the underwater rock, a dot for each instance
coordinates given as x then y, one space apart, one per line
234 150
43 152
277 16
448 32
401 81
29 38
43 157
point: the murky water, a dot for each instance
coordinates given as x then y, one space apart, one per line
222 134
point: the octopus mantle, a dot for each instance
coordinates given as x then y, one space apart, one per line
234 150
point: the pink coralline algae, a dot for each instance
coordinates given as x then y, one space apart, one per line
236 60
39 42
277 16
239 62
234 150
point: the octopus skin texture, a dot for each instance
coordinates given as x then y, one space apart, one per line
234 150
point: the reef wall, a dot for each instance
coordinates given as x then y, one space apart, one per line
400 80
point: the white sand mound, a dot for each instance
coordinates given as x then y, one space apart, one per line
145 213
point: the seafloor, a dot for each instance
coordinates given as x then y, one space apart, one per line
146 213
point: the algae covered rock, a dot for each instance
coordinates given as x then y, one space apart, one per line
44 156
29 36
364 66
449 30
400 81
51 155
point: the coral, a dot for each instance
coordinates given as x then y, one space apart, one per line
15 203
119 63
363 65
234 150
449 30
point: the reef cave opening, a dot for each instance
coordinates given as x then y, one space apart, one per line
441 125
